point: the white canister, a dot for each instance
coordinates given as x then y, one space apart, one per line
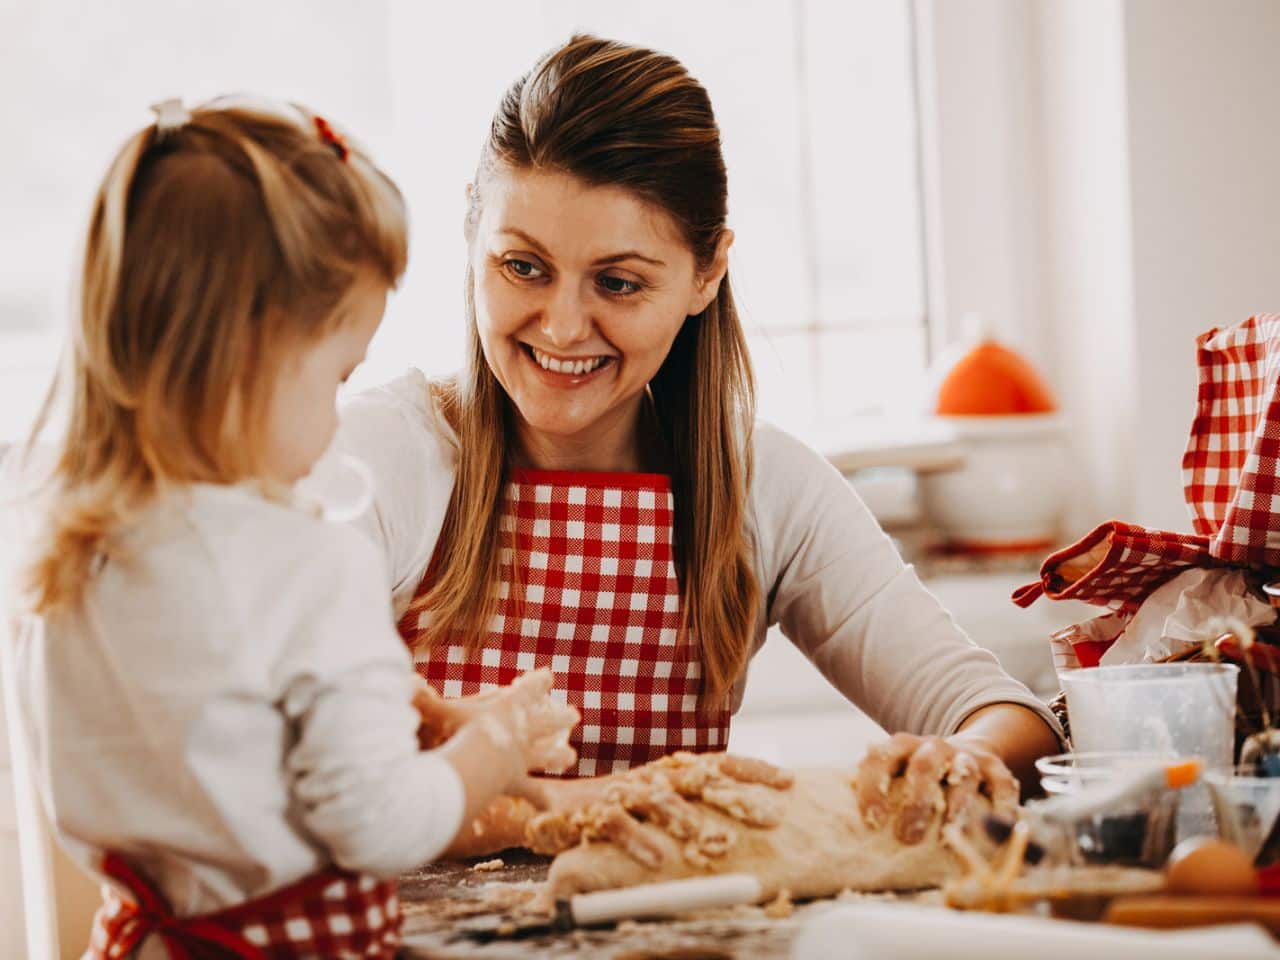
1010 492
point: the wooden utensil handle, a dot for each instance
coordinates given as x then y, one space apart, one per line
665 899
1169 911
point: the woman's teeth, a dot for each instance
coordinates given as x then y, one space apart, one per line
576 367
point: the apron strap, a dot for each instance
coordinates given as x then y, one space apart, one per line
151 914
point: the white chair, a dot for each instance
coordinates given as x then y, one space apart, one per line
47 913
57 897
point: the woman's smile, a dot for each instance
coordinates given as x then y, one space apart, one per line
560 371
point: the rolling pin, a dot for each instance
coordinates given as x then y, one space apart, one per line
666 899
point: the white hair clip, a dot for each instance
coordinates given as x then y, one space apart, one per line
171 115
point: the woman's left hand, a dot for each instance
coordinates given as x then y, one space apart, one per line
938 774
502 825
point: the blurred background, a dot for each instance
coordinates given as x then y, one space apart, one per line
817 102
1095 181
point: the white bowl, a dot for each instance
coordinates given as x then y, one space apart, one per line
1010 492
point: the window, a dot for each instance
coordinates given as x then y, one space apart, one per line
815 101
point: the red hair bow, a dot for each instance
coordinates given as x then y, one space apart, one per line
332 137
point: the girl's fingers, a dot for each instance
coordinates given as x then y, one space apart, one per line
534 684
883 762
549 718
555 759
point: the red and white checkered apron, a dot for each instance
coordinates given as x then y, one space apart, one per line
590 591
326 915
1231 470
1231 481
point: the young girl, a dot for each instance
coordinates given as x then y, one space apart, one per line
219 706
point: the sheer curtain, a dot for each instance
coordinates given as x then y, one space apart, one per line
815 101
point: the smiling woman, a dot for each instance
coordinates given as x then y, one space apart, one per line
580 291
592 492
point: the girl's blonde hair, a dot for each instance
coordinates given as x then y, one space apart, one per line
618 115
214 247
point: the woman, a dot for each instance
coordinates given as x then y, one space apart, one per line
592 492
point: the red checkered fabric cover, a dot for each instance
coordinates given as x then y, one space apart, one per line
1133 562
590 591
327 915
1230 468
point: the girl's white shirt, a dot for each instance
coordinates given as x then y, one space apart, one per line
229 707
829 576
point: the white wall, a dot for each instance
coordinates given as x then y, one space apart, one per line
1204 133
1105 188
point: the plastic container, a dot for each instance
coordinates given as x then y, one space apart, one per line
1183 709
1247 808
1138 832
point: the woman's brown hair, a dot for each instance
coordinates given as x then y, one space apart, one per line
214 245
621 116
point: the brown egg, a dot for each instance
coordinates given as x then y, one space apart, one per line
1204 865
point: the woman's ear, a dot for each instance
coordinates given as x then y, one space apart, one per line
706 284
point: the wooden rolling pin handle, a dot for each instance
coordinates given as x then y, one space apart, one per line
665 899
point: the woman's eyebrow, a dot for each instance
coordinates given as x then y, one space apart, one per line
538 248
629 255
542 251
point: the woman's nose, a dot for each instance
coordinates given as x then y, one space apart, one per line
566 319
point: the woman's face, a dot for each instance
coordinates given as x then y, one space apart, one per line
579 291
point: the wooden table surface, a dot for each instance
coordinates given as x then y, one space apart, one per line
439 900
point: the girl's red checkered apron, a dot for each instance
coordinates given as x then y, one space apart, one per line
1231 481
590 591
330 914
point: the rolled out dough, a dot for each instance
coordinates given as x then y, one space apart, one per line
693 815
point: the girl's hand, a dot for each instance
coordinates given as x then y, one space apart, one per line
938 775
524 710
526 717
441 718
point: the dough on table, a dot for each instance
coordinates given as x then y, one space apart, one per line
698 814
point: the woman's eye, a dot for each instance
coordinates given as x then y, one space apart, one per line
617 285
523 269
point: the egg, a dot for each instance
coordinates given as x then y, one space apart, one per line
1203 865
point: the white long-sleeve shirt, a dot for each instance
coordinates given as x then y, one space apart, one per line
828 574
230 707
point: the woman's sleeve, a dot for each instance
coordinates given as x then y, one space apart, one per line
365 789
841 593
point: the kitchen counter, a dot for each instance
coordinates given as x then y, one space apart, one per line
442 898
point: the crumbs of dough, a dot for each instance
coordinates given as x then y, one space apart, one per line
497 863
